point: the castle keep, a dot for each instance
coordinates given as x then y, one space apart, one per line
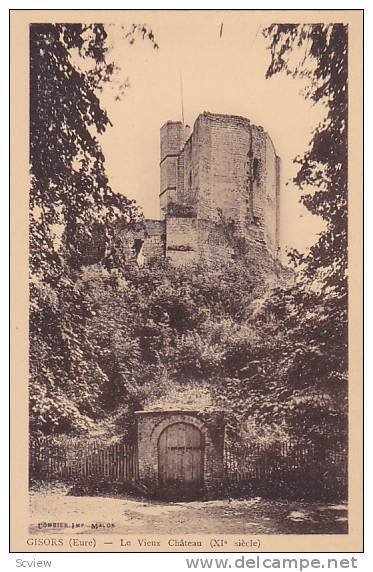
226 169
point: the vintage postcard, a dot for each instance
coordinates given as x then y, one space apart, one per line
186 192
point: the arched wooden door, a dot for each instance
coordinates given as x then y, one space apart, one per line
180 461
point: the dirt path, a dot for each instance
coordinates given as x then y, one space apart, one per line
128 515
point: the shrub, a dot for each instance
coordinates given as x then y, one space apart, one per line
180 210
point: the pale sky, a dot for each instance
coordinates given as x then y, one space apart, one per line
219 74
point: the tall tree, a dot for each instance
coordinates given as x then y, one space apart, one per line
310 319
73 212
70 196
319 53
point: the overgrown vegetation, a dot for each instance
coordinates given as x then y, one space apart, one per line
73 213
107 338
181 210
318 304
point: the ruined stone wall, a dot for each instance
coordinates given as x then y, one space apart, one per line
214 174
213 244
189 239
270 197
258 176
169 172
229 144
225 166
181 233
154 239
168 196
181 239
172 140
191 162
197 169
139 245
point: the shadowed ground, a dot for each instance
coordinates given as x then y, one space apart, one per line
135 515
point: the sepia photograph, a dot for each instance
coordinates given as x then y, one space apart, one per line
188 348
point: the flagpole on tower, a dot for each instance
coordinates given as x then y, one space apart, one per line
182 98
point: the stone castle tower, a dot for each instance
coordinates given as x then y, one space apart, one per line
226 169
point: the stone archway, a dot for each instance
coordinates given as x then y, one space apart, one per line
191 450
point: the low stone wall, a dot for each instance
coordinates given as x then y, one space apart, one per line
181 233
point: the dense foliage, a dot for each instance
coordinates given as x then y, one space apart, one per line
141 333
73 212
318 53
313 313
108 337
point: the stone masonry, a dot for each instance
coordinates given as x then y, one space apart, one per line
151 424
226 168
